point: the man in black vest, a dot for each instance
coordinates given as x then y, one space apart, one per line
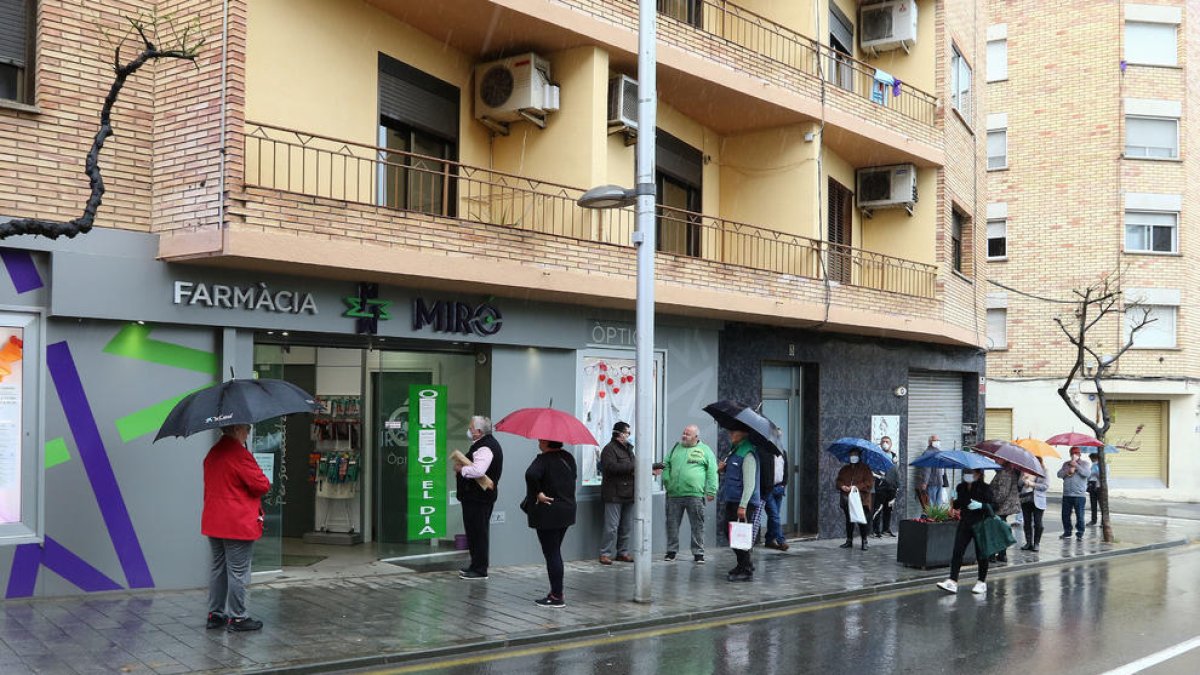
485 463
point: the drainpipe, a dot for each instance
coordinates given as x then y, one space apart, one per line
224 113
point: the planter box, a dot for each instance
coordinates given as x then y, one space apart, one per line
928 545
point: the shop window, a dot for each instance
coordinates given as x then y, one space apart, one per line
16 50
20 445
1152 44
608 394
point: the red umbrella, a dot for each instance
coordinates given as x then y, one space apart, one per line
1072 438
546 424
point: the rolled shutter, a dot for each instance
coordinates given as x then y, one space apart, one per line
418 99
998 424
14 26
1146 466
679 160
840 27
935 404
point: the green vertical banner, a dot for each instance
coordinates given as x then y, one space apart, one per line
427 495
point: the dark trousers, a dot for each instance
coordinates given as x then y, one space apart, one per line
1094 498
862 527
477 517
882 522
964 535
551 541
1073 506
1032 516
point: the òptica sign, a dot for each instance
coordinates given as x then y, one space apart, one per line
456 317
257 298
427 496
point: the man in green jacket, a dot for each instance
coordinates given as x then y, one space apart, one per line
690 477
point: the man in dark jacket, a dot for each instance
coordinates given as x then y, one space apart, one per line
616 491
486 459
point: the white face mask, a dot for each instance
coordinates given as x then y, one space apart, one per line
886 447
854 459
936 445
969 478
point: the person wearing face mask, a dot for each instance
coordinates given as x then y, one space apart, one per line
1006 489
1033 506
1074 474
856 474
887 484
616 491
742 497
971 496
485 459
928 481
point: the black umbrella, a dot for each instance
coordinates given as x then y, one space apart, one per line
741 417
236 402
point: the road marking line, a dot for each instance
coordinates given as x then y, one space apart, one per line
1157 657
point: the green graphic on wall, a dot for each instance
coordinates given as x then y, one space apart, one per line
427 496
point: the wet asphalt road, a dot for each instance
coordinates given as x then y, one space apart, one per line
1090 618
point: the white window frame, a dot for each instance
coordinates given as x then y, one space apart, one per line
997 342
997 70
1159 312
1174 232
29 528
1142 60
1004 157
1147 148
960 96
1003 222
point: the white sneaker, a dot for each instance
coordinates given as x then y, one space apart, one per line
980 588
949 585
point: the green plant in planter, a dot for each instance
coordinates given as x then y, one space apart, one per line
938 513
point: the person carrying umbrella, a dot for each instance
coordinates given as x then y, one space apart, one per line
1033 506
740 493
1006 489
855 474
232 520
971 496
1074 474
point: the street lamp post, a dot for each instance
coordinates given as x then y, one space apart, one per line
610 196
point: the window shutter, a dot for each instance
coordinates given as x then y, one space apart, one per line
14 24
840 27
678 159
417 99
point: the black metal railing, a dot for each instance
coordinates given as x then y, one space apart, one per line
314 165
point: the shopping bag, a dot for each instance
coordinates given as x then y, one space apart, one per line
993 535
741 535
856 508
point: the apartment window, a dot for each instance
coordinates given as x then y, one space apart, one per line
413 178
1151 137
1159 333
1150 232
997 60
960 83
1151 44
16 50
687 11
997 145
997 238
678 182
841 40
997 328
957 226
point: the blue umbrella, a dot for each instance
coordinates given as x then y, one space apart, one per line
872 454
1110 449
954 459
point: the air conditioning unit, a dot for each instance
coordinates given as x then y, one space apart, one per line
882 187
888 25
622 102
514 89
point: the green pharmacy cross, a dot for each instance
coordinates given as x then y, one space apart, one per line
367 309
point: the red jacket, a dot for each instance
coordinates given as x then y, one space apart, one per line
233 489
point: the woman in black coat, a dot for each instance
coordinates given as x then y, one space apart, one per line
971 496
550 505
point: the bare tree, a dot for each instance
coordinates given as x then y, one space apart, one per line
182 42
1094 303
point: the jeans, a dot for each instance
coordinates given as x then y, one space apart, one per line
773 502
1078 506
694 507
551 541
618 521
229 576
962 536
477 518
1033 523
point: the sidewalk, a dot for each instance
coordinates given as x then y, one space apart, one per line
355 622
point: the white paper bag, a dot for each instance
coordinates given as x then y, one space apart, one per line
741 535
856 509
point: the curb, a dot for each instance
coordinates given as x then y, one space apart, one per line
401 658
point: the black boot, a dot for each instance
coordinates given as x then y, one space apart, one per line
864 544
849 544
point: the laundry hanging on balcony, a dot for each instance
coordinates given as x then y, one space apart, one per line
883 82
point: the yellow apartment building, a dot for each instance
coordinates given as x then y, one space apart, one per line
375 199
1090 171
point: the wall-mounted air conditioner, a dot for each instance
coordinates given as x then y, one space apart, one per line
514 89
888 25
623 107
881 187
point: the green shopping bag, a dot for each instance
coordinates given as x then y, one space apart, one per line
993 535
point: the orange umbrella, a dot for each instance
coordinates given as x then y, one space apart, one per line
1037 448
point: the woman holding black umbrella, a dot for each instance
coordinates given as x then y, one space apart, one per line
971 496
550 504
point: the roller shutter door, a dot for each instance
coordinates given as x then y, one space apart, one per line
1147 466
935 406
998 424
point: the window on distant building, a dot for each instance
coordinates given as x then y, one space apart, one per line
1151 137
997 238
679 185
687 11
958 226
997 146
960 83
16 50
1151 44
1159 333
1151 232
997 328
997 60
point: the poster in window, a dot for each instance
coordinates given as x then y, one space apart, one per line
11 360
608 398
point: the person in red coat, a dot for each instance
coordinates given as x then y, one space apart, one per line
232 520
